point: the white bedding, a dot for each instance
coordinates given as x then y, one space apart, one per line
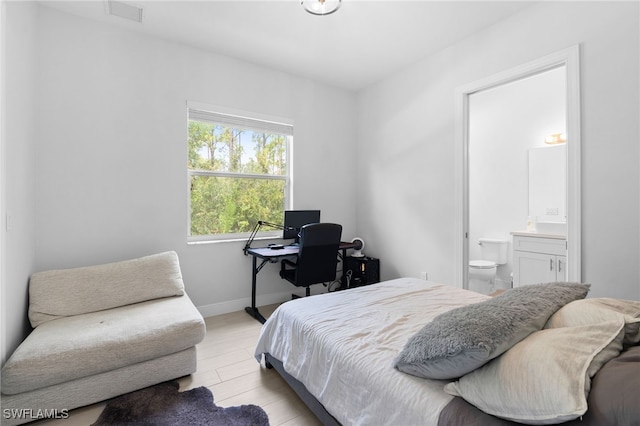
341 346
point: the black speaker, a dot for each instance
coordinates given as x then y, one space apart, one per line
362 271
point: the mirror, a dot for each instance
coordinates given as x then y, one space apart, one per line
548 189
496 194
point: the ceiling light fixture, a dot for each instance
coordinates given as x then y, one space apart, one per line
321 7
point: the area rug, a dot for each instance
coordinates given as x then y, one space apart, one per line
164 405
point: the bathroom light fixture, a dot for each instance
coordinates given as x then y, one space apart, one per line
321 7
555 139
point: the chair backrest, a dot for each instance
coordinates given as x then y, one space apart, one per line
318 253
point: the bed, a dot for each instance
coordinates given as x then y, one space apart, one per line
348 355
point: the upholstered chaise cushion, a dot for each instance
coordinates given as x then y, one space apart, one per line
79 346
67 292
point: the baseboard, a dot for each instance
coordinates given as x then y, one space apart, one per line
240 304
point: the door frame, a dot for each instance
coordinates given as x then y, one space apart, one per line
570 59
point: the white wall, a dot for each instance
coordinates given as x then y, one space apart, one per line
109 149
18 169
406 141
112 153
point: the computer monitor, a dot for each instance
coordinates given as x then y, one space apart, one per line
296 219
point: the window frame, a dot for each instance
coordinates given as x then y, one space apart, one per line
272 124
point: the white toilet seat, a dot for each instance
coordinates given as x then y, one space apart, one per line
482 264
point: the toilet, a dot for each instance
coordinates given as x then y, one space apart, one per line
482 272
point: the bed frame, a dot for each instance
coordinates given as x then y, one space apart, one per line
612 398
310 401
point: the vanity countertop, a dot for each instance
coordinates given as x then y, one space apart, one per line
538 234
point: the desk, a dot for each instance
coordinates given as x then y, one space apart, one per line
267 254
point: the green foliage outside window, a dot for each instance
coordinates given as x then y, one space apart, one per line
238 177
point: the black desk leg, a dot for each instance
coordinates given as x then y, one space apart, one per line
253 310
343 278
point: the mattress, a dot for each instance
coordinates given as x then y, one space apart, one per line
341 346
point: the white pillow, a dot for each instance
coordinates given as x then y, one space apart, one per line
545 378
597 310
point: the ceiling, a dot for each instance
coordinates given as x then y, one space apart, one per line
361 43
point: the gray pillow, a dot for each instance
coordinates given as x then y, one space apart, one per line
463 339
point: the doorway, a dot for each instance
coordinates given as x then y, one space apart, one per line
499 119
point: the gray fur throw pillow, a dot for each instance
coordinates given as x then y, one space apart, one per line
463 339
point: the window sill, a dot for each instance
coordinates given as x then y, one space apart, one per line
195 242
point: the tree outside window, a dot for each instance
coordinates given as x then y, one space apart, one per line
239 174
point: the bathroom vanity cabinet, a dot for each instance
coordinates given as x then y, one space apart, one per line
538 258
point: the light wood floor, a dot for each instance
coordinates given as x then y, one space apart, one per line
226 366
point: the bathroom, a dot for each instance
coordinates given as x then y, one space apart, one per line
510 125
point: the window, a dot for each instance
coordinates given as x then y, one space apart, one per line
238 174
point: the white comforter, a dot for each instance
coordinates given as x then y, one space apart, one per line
341 346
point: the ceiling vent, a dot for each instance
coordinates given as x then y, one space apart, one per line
124 10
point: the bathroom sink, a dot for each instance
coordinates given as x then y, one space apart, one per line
553 228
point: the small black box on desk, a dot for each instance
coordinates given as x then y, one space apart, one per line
362 271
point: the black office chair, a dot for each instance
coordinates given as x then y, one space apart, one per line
317 256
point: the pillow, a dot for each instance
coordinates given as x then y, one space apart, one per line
613 399
463 339
543 379
594 311
67 292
